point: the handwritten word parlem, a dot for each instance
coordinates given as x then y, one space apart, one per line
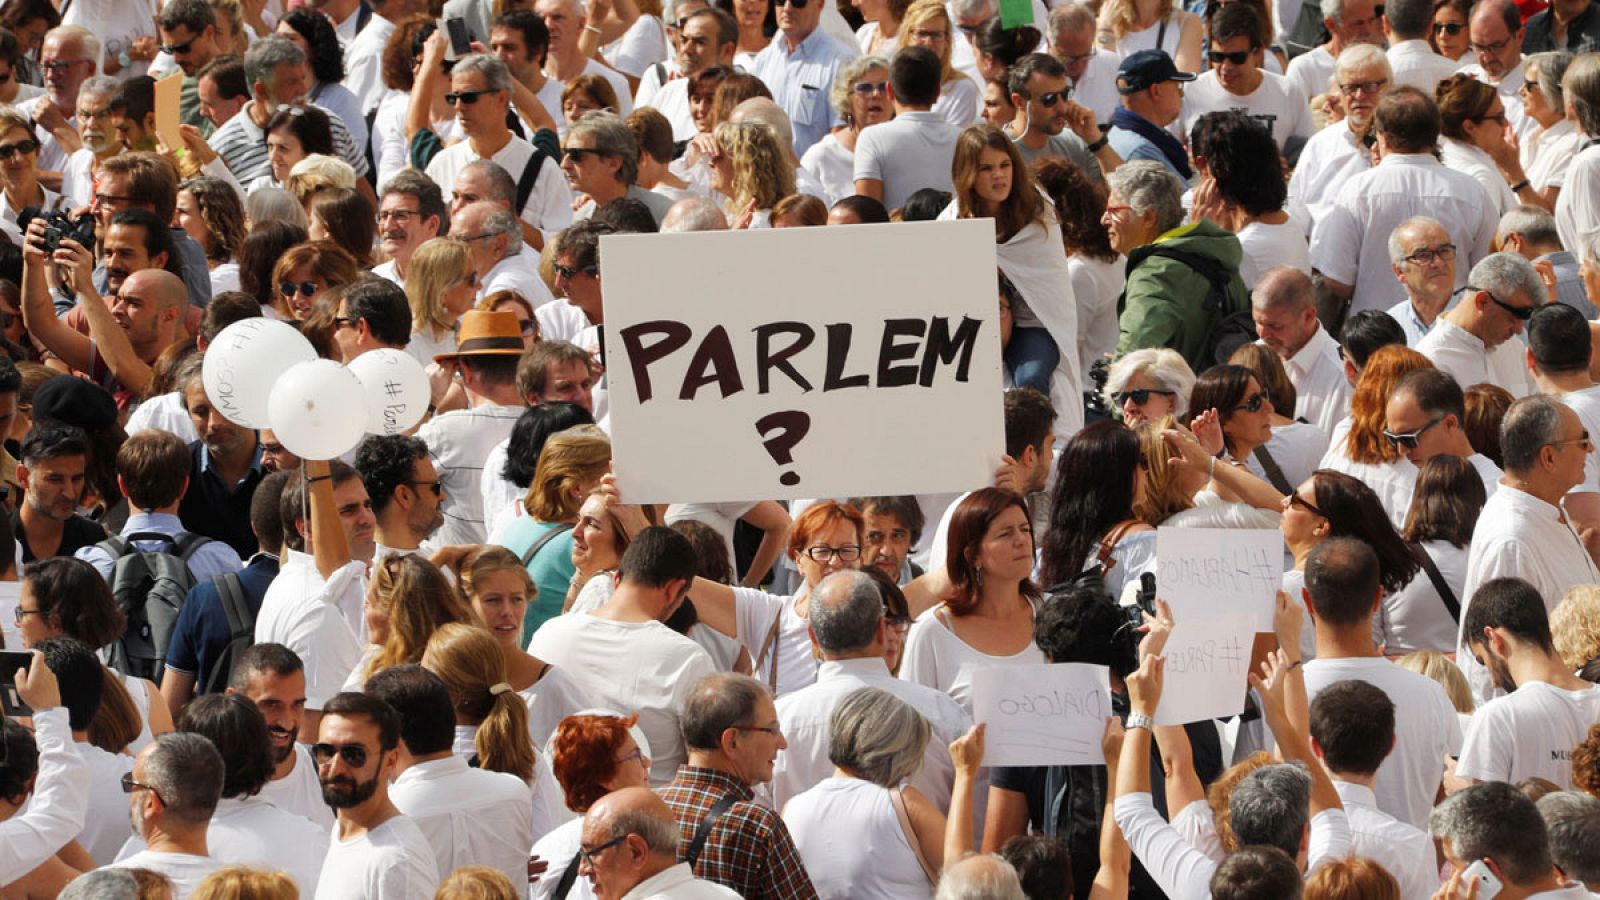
1041 714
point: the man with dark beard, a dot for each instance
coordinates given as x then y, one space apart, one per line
405 490
376 852
273 678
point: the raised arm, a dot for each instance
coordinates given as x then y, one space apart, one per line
419 112
39 311
773 521
1189 454
714 603
329 547
1293 743
110 341
967 754
1111 881
61 793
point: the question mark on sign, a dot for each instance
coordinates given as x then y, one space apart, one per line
780 432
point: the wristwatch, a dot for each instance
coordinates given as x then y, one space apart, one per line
1139 720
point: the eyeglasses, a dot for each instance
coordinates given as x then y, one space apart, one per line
1409 439
436 486
23 146
399 215
469 238
1069 60
773 730
129 786
570 273
898 624
1363 87
797 4
637 754
21 614
61 65
1521 313
1253 403
1582 441
1139 396
823 553
176 49
1450 28
1500 118
870 88
1217 57
923 34
576 154
108 199
1307 505
466 97
587 854
308 288
1495 47
1426 256
354 755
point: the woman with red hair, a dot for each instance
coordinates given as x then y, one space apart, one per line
986 618
592 755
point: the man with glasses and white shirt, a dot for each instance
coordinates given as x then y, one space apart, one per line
1473 342
799 67
1424 261
1349 22
1495 30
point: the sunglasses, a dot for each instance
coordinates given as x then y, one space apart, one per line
797 4
1051 99
354 755
175 49
1253 403
1139 396
129 786
1450 28
870 88
1307 505
1217 57
1520 313
1409 439
308 288
466 97
576 154
24 147
569 273
436 486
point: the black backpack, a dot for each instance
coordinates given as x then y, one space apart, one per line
149 587
1229 330
241 631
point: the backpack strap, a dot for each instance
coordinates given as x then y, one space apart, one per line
545 538
1439 584
897 799
1273 470
530 175
702 832
114 545
241 627
187 543
569 877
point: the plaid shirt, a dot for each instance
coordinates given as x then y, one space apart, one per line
749 848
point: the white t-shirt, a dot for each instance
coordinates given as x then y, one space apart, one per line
1097 89
1578 204
1276 103
1425 726
851 842
105 826
300 792
643 45
1415 64
790 653
1415 617
1311 71
469 816
1529 733
960 101
390 862
833 166
184 870
549 206
115 23
1267 246
1322 393
1472 160
672 101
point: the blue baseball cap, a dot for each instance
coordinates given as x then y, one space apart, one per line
1142 69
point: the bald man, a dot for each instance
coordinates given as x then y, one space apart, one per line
630 848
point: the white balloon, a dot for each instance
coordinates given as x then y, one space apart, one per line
397 389
313 409
245 361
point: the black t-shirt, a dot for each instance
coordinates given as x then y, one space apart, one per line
219 511
76 533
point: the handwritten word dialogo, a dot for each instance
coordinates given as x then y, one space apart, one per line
1038 715
735 373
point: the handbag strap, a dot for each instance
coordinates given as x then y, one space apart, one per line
771 644
545 538
1273 470
897 799
1439 584
1108 544
703 831
569 877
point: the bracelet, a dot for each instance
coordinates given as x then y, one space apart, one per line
1295 665
432 409
1139 720
1099 145
1517 188
591 28
1212 473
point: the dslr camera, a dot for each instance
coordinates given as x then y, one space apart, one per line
59 226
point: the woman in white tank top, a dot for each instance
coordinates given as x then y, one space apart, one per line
1129 25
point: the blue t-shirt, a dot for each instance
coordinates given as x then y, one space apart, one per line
551 568
202 634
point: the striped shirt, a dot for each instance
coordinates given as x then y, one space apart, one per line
749 848
459 441
243 146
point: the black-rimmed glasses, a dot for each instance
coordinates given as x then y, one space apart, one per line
588 854
823 553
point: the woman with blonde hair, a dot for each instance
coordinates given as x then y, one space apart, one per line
491 719
1175 495
243 883
1359 448
1438 667
748 167
493 583
441 285
570 466
1129 25
861 95
407 600
304 272
1575 626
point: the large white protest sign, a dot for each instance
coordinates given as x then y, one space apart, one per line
1042 715
1221 585
803 362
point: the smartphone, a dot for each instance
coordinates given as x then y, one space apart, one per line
460 40
10 662
1488 885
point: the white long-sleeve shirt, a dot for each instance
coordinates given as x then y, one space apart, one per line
55 814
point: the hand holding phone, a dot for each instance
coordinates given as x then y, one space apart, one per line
13 675
1480 876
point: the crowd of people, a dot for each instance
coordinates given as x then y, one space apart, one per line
1328 270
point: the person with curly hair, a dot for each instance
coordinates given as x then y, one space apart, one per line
1575 627
313 33
210 211
749 169
1097 272
1586 763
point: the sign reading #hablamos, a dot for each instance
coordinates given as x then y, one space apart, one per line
804 362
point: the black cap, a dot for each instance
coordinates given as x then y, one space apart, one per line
1144 68
69 399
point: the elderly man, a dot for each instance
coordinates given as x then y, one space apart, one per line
1349 22
1409 24
706 38
1349 243
566 61
1495 29
1522 531
276 71
1497 824
601 159
1424 261
176 785
1342 149
1152 97
99 139
1531 232
487 82
1473 340
799 67
849 630
1166 301
1238 81
1091 69
1577 209
189 33
410 212
1284 308
494 238
644 863
69 58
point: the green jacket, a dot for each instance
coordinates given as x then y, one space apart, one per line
1164 302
